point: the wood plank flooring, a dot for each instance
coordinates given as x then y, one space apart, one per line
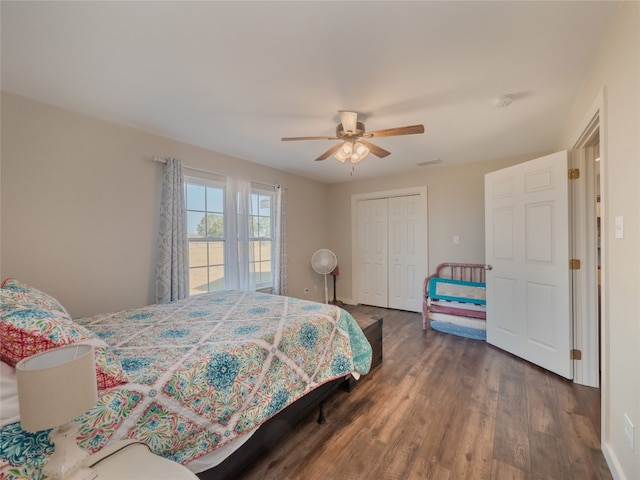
443 407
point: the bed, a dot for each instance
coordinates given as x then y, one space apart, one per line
192 379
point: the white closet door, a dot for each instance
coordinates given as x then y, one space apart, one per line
406 252
372 250
391 255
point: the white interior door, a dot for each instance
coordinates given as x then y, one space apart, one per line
527 244
406 252
372 251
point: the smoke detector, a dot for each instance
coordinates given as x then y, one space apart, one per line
503 101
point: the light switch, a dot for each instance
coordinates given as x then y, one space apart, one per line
456 239
620 227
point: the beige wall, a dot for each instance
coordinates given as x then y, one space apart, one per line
80 201
455 203
617 71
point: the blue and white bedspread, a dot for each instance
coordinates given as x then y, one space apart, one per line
204 371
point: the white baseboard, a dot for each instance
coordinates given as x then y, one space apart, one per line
612 462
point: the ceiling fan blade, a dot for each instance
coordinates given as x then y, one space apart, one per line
289 139
349 120
329 152
374 149
390 132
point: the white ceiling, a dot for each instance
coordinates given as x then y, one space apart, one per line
235 77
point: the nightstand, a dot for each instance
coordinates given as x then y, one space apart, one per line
132 460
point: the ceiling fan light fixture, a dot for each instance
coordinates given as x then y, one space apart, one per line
341 155
349 121
361 149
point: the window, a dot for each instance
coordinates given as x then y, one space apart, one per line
206 236
262 236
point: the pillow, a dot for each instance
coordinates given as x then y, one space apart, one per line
15 293
30 323
9 413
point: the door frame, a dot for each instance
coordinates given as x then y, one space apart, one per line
402 192
591 369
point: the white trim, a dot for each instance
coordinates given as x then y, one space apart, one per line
598 108
617 472
588 369
403 192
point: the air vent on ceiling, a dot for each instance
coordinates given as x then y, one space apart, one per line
429 162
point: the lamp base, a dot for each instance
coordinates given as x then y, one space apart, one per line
67 461
83 473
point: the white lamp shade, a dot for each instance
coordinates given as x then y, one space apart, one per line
56 386
344 151
359 152
360 149
340 155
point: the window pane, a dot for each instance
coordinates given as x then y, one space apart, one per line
195 197
214 226
197 254
216 253
216 278
265 250
198 282
265 227
255 247
265 272
255 201
265 206
255 227
194 222
215 200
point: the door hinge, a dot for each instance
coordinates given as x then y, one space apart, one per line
574 173
575 354
574 264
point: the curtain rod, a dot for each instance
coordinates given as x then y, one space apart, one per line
209 172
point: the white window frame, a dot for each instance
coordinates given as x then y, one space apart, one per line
218 182
270 193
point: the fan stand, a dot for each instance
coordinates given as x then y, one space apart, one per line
335 300
326 291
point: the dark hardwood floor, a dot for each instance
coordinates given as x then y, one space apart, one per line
447 408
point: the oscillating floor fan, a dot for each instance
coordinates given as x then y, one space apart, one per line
324 262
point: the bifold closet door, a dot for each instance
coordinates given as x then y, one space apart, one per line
392 256
406 252
372 243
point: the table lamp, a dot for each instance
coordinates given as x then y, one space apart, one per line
54 388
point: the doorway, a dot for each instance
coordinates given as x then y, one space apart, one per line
588 244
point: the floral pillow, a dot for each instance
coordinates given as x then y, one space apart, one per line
30 323
15 293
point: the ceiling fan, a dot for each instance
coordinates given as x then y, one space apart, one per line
354 147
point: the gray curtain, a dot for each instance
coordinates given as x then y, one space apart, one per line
172 274
280 260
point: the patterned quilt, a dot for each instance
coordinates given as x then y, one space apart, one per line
202 372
